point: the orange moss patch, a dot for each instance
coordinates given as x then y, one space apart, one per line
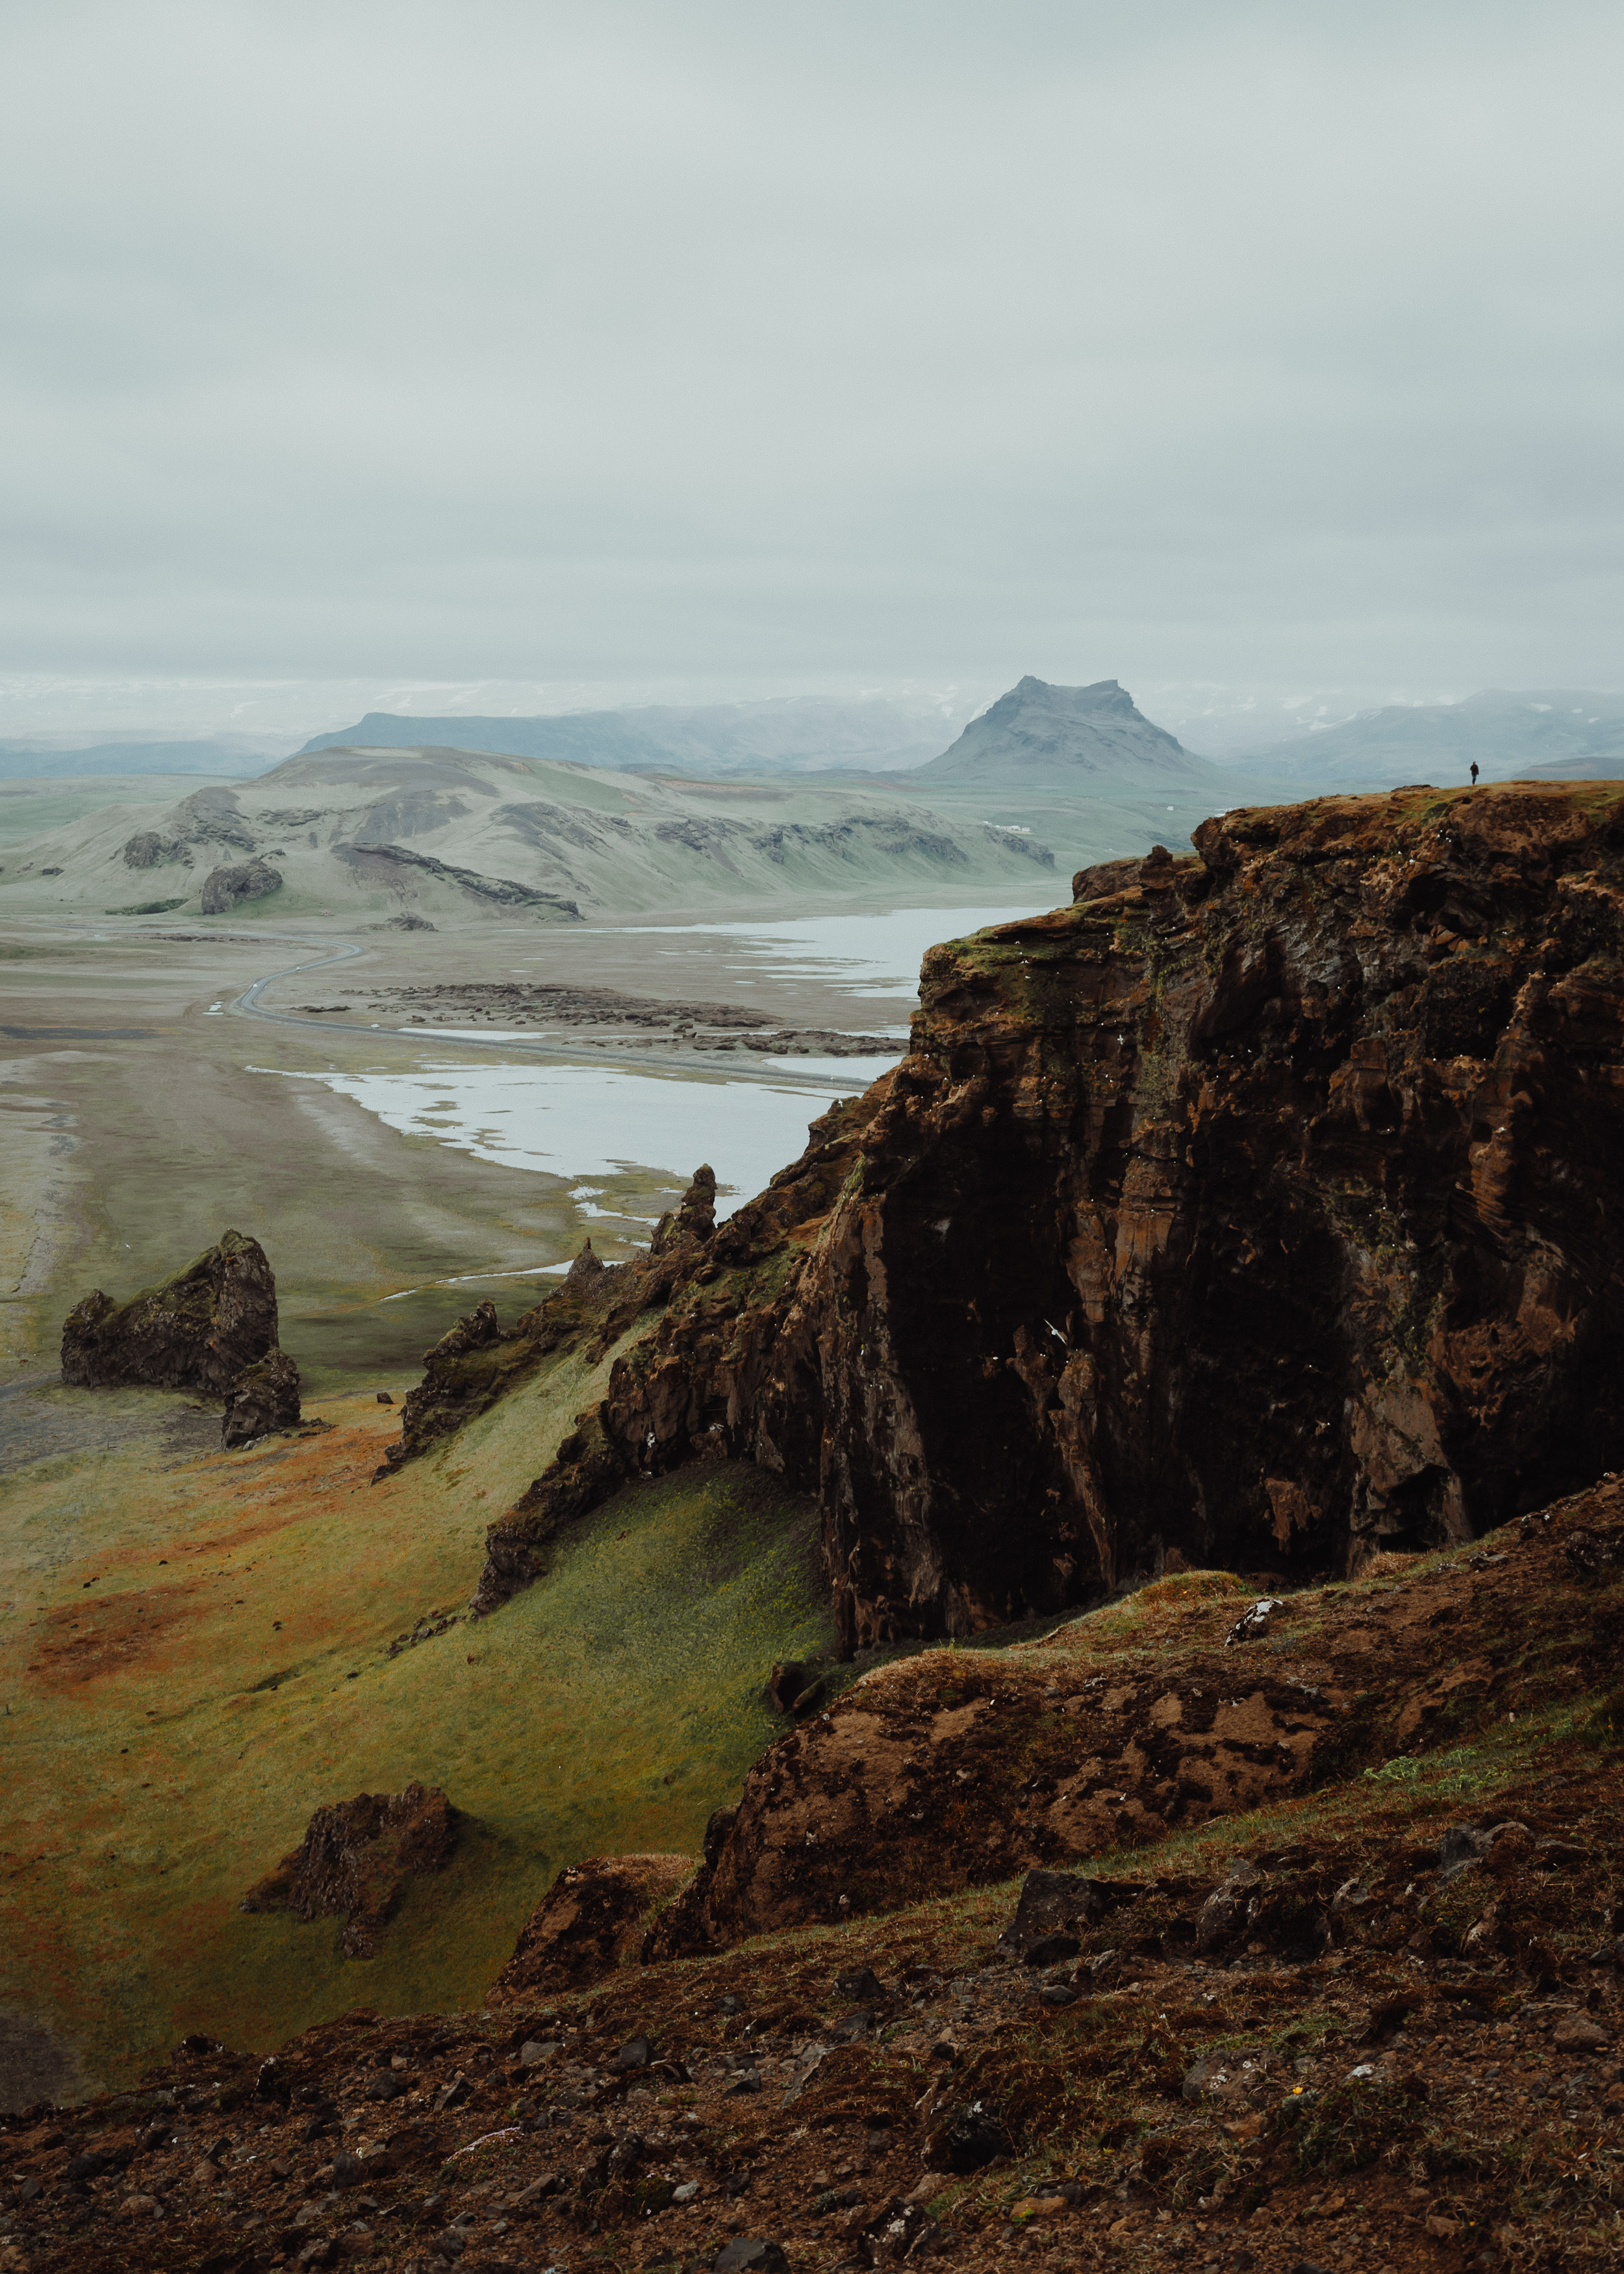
81 1643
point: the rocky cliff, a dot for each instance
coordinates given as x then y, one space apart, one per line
1261 1211
356 1859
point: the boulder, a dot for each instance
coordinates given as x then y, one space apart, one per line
594 1918
1577 2033
1053 1906
249 880
971 2138
264 1398
1225 1911
356 1858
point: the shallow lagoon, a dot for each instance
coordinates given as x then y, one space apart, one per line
584 1122
875 956
628 1141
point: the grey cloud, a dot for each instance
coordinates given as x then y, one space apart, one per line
744 345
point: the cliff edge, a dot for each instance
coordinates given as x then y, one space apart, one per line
1262 1210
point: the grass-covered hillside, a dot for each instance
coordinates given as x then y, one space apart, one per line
194 1657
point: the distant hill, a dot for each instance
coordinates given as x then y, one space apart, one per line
792 735
363 835
47 760
1565 733
1087 741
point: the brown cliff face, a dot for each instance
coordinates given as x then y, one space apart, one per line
595 1917
1264 1212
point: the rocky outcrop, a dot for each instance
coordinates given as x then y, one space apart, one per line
464 1372
224 888
596 1917
356 1858
956 1769
504 892
722 1288
1264 1211
211 1327
472 1365
199 1330
148 850
264 1398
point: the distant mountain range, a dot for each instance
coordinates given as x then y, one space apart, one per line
244 754
1066 743
1565 733
365 835
793 735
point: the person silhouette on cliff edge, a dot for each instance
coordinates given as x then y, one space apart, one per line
1474 773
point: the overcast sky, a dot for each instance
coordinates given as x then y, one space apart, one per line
736 348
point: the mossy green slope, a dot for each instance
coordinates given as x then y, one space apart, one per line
195 1656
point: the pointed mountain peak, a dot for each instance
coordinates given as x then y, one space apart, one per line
1076 736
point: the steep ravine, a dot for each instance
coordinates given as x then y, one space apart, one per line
1259 1210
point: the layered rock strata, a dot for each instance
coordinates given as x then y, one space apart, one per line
1264 1209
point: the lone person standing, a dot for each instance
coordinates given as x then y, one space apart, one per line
1474 773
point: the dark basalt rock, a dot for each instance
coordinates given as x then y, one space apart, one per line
356 1858
211 1327
972 2138
469 1367
264 1398
148 850
1053 1907
1268 1209
694 1218
201 1330
250 880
